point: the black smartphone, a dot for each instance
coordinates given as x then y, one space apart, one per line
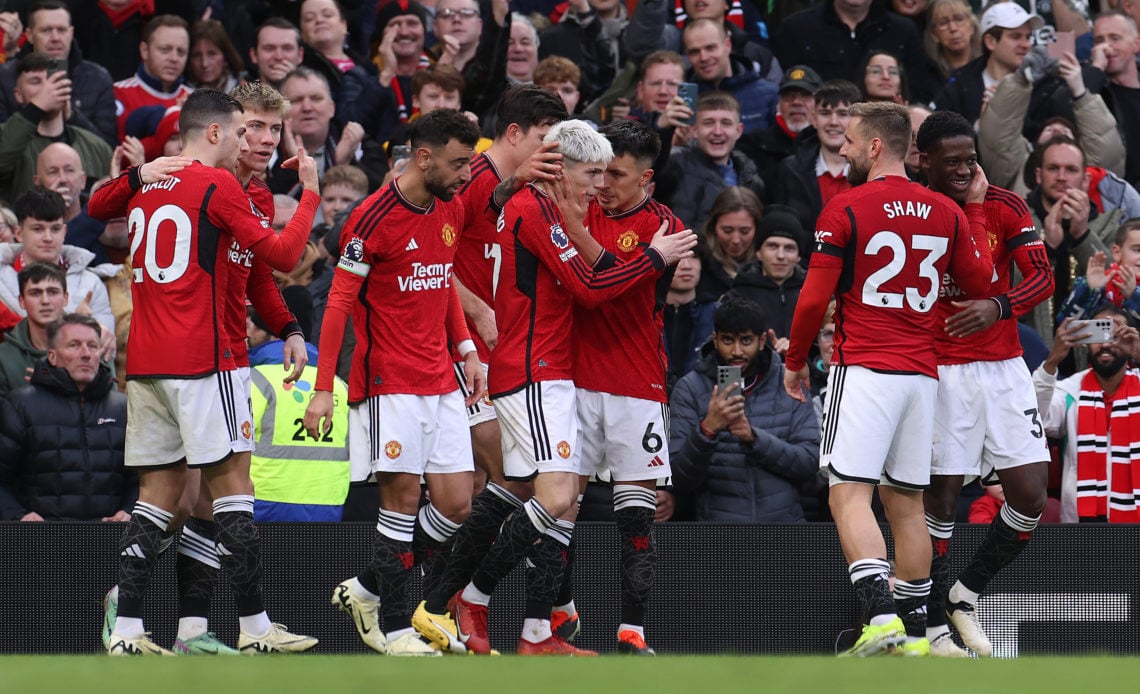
688 92
56 65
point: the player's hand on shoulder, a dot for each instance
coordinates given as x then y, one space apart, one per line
675 246
978 186
319 414
163 168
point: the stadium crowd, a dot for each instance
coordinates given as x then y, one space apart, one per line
742 111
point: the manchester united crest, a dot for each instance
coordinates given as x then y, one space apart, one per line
393 449
448 234
993 241
246 430
627 241
563 449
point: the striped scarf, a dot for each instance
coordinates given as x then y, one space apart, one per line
735 14
1095 501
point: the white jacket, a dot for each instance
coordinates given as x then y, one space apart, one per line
1057 403
80 280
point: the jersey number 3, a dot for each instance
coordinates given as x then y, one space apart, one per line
144 232
935 247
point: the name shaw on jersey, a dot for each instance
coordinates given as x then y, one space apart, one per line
908 208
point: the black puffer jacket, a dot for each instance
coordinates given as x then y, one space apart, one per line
61 451
777 300
734 482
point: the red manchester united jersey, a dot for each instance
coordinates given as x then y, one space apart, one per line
541 276
896 240
618 345
397 260
1012 239
181 231
478 255
133 93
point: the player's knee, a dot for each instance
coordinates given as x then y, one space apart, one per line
455 509
1027 502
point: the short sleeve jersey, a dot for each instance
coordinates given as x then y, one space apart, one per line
478 255
181 232
401 255
618 345
896 240
542 274
1009 227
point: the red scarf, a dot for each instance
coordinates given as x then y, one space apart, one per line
735 14
1095 500
120 17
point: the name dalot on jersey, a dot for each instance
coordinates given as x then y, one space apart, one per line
426 277
161 185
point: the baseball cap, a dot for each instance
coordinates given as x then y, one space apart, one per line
801 77
1009 15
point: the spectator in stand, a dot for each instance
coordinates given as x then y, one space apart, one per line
774 281
50 32
345 187
742 452
1097 404
833 36
918 116
62 436
7 224
522 49
817 172
561 76
158 81
1115 283
709 49
44 118
688 322
953 36
1115 76
1010 158
40 235
884 78
109 32
768 147
458 25
59 168
656 102
589 34
214 62
324 29
730 233
695 175
276 51
43 294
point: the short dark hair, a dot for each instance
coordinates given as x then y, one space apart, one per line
527 106
439 127
832 93
39 203
205 106
888 121
307 73
1059 140
38 272
942 125
164 20
46 5
737 315
215 32
54 327
276 23
635 139
446 77
33 62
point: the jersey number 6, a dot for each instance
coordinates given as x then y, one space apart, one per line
889 240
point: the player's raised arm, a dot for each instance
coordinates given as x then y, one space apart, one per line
971 264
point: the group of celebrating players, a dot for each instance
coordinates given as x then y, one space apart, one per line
526 272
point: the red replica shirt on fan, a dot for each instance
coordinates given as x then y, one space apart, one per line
618 345
396 263
181 231
1013 239
542 276
895 241
133 93
478 255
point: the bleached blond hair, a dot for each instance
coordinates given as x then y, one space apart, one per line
579 142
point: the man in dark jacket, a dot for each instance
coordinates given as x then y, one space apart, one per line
709 49
743 455
773 282
62 436
50 32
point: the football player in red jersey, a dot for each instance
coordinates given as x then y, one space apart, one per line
524 116
182 389
986 418
543 272
889 242
407 415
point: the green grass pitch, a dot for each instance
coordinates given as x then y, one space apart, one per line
468 675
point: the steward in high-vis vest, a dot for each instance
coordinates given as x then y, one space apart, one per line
295 478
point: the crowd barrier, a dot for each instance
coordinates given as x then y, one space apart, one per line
720 589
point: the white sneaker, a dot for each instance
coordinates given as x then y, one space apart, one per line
965 619
411 643
137 645
364 613
943 646
278 640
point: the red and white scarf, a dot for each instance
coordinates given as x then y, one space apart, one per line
735 14
1095 500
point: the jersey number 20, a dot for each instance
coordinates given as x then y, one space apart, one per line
144 231
935 247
